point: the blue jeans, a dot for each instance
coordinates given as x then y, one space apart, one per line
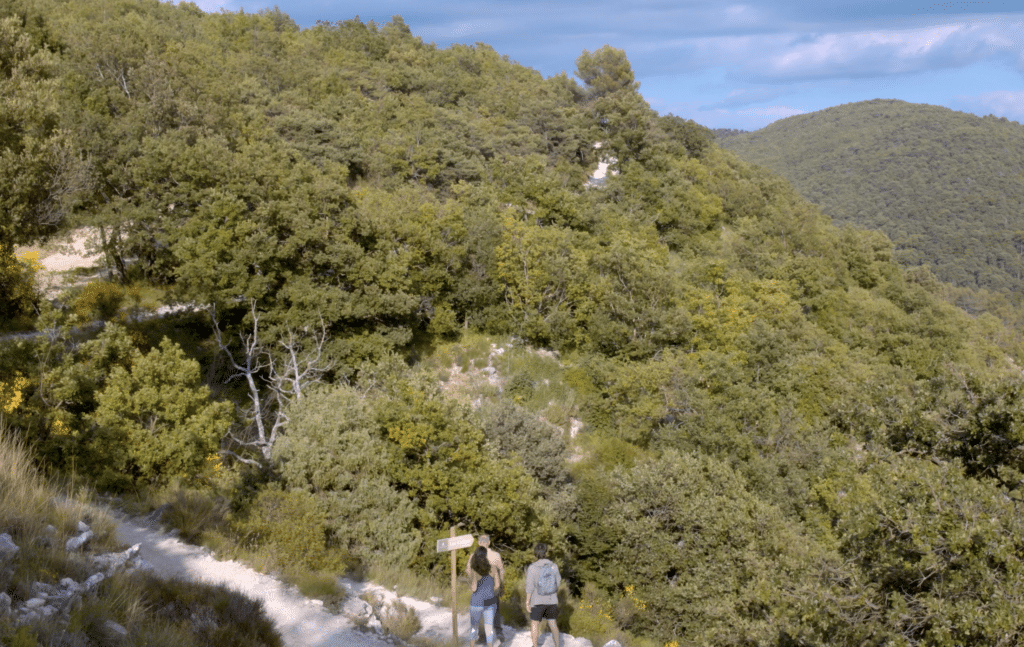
488 617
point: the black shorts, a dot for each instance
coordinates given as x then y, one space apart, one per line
541 611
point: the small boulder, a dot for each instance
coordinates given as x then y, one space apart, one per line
75 543
113 562
154 518
114 632
93 581
83 527
356 607
7 546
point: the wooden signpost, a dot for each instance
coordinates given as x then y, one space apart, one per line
451 545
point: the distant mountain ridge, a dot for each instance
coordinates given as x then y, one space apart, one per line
947 187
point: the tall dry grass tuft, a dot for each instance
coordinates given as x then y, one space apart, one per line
24 496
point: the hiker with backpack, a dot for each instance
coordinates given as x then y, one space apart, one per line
542 580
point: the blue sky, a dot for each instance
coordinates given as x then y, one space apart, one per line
735 64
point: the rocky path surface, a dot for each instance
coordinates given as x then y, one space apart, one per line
302 622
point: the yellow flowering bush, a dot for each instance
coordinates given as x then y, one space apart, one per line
10 397
10 394
593 617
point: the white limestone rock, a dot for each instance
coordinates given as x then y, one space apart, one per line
113 562
94 581
114 632
76 543
7 546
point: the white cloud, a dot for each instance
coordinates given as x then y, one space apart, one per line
745 97
889 50
1002 103
788 56
880 52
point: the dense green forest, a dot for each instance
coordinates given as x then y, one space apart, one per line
945 186
736 423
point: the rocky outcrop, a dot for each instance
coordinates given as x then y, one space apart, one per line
56 601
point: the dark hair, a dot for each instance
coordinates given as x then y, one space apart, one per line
479 562
540 551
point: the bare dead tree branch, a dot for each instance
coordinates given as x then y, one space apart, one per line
274 384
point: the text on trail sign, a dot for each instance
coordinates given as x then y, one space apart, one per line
454 543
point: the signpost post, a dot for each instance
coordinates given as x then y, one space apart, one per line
451 545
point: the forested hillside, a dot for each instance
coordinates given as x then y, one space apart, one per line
736 423
946 187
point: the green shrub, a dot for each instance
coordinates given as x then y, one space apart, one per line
333 452
156 420
18 293
314 584
400 620
193 512
292 524
593 617
213 615
540 446
520 388
99 300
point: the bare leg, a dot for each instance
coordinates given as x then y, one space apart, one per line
554 632
534 631
499 626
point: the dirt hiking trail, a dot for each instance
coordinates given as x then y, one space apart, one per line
302 622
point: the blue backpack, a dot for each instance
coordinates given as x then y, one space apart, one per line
547 580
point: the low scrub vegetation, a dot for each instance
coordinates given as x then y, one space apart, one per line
733 422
